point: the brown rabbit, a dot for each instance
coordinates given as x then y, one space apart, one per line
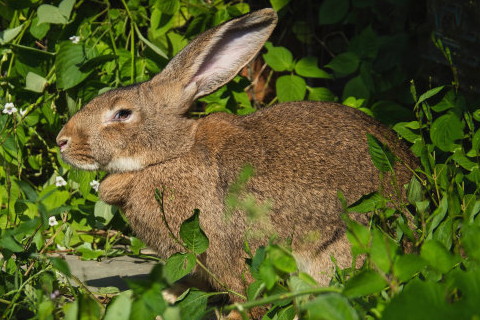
302 153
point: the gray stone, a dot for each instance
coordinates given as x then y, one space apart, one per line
110 272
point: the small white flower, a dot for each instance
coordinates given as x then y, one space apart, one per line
22 112
94 184
9 108
60 182
52 221
74 39
55 294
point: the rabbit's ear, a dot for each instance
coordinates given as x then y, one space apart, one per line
217 55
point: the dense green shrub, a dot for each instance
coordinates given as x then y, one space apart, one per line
421 259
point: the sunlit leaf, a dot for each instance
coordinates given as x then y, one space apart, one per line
178 265
9 34
331 306
307 67
277 5
290 88
50 14
192 235
364 283
35 82
278 58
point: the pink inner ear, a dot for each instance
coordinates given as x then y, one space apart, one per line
229 54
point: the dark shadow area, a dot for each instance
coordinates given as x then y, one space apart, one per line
115 281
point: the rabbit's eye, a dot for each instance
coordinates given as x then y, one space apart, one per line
122 115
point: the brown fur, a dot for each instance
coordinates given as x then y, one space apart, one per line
302 153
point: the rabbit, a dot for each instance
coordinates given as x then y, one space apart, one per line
302 154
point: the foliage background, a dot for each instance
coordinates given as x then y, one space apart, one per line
422 259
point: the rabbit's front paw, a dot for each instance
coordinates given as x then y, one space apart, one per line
116 188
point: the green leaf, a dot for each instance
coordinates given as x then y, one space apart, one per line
277 5
35 82
406 266
390 112
267 274
333 11
45 309
120 307
467 283
288 313
281 260
88 253
70 310
463 161
438 256
438 215
255 289
354 102
476 143
65 7
9 34
52 198
192 235
368 203
419 300
83 178
359 236
39 30
470 241
447 102
68 62
357 88
149 301
169 7
61 265
364 283
156 49
308 67
446 130
104 212
320 94
290 88
381 156
89 308
344 64
404 132
383 251
476 115
178 266
430 93
50 14
194 304
136 245
8 242
366 44
278 58
330 306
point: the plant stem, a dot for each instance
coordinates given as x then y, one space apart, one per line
281 296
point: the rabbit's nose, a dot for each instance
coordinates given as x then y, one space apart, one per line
63 143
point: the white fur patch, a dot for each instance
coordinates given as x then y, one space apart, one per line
124 164
87 166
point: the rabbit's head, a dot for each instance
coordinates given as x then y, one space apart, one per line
130 128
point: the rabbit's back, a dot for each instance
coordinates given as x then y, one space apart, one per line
302 147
